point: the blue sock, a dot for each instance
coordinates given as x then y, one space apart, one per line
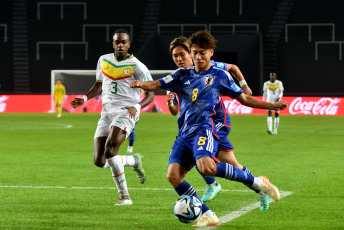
207 179
131 138
249 173
230 172
185 188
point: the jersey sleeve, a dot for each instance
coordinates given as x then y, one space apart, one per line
142 73
228 86
99 74
220 65
265 87
171 81
281 86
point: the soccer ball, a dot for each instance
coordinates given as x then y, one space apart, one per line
188 209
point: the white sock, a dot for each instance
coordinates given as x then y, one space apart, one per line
256 182
118 175
276 124
208 213
128 160
270 123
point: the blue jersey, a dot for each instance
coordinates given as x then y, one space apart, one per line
221 118
199 93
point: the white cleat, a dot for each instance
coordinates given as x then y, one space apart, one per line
206 220
130 149
124 200
141 175
269 188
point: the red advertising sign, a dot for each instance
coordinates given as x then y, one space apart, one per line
25 103
325 106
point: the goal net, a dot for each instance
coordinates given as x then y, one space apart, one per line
79 82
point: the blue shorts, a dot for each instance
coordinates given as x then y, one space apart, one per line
224 143
187 149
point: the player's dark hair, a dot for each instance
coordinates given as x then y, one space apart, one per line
121 31
180 41
203 39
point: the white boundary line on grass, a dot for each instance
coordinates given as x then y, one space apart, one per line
101 188
223 219
235 214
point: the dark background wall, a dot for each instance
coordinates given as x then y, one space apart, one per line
256 53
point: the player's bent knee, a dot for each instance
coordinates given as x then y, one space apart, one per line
209 170
174 179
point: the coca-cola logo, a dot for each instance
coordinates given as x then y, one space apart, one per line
324 106
2 103
235 107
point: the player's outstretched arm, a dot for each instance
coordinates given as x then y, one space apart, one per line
147 85
235 71
94 91
255 103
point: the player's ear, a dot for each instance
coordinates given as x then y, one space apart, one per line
212 52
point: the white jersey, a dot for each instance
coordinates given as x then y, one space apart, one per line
116 77
273 91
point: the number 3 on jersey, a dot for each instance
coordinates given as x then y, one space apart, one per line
114 87
194 94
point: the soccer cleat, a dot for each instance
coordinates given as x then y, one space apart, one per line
130 149
206 220
269 132
268 188
141 175
124 200
210 192
264 202
58 115
275 132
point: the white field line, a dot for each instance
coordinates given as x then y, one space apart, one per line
102 188
39 126
235 214
223 219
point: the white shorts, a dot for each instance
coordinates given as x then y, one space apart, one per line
115 117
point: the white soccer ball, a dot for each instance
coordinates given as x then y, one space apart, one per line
188 209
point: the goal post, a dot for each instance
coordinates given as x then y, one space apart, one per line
79 82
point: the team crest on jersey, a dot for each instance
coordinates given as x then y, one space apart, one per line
126 71
209 80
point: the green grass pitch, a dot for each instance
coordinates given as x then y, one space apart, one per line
48 180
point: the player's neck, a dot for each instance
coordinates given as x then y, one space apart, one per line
121 58
202 69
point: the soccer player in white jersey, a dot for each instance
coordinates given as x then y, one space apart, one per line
273 92
121 109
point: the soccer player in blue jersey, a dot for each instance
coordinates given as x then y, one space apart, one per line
181 54
199 88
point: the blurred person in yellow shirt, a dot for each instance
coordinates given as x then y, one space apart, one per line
59 93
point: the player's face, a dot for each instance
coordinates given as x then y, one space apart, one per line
181 57
273 77
121 44
58 82
201 57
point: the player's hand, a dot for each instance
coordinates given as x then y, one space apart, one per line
136 84
246 89
170 97
281 105
77 102
131 110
